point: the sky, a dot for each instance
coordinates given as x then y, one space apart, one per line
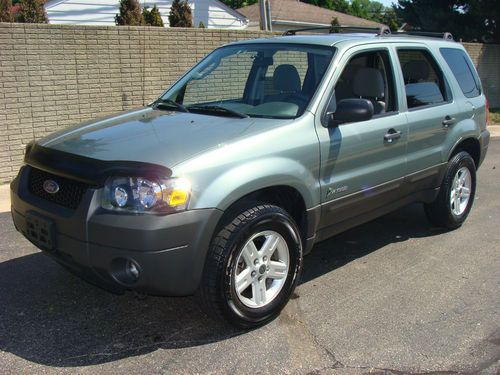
386 2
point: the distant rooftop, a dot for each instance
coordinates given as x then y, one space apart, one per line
294 11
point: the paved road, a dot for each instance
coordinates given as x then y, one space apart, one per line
393 296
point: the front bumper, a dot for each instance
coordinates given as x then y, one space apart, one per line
169 250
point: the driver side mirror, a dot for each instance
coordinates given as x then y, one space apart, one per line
351 110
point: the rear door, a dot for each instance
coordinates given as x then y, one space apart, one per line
361 169
430 110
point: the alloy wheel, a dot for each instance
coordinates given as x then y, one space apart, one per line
261 269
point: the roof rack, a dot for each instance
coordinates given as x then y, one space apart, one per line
379 31
429 34
383 30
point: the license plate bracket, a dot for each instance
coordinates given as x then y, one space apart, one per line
40 230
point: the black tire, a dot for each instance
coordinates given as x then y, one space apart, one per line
440 212
217 294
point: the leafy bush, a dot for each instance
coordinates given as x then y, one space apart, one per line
152 17
130 14
5 11
180 14
32 11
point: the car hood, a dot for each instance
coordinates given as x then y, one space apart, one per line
153 136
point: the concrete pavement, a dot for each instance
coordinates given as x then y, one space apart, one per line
494 130
394 296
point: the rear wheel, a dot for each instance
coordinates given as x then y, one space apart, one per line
456 196
252 266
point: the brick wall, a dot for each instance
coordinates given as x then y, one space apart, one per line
54 76
486 58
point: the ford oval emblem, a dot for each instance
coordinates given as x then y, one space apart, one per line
50 186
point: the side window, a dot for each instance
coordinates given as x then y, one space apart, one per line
462 69
368 75
424 81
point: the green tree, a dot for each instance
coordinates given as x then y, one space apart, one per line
5 13
152 17
359 8
235 4
201 25
32 11
180 14
340 6
486 15
375 10
390 18
474 20
130 13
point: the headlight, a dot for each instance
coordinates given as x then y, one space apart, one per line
139 194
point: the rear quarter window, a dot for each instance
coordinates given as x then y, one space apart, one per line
462 69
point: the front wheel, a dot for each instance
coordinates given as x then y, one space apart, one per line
252 266
455 198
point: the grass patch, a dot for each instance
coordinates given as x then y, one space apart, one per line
495 116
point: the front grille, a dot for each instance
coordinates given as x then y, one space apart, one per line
70 191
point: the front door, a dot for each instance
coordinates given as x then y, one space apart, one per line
363 164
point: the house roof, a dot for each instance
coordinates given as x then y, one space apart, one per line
296 11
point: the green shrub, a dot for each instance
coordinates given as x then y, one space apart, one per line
152 17
32 11
130 13
180 14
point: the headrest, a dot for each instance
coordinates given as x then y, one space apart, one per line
415 70
286 78
350 72
368 83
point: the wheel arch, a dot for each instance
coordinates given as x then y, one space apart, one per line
471 146
284 196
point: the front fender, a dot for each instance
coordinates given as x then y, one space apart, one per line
246 178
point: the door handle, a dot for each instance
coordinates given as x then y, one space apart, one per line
392 135
448 121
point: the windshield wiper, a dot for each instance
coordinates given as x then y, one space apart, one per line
170 103
217 110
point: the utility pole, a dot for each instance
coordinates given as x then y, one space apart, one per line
263 15
268 16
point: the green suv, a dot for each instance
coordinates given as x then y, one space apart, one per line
262 149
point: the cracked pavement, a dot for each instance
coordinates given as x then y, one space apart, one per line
393 296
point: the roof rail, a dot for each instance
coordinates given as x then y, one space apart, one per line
383 30
429 34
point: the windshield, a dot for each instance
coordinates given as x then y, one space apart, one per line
256 80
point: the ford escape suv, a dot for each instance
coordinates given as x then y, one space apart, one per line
262 149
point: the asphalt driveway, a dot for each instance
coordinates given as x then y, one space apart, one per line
392 296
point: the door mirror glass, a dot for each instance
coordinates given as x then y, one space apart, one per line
351 110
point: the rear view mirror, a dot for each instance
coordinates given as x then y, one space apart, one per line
351 110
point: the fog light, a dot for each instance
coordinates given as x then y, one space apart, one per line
132 270
125 271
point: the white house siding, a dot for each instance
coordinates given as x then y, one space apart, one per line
212 13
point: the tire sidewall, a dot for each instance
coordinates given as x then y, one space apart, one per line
282 224
462 159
